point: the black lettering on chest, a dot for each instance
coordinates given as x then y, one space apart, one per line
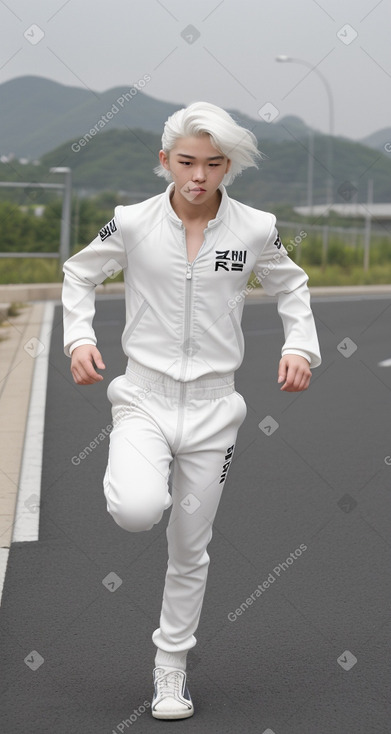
230 259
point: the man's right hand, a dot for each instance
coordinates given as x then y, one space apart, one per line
84 361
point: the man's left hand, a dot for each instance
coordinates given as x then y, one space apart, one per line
295 372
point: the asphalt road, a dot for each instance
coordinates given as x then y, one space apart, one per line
304 519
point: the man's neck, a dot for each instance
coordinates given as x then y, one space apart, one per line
193 214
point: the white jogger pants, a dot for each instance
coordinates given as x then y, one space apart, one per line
170 435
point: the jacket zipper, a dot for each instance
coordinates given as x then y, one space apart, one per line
188 300
186 334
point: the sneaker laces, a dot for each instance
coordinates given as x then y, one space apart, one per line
168 681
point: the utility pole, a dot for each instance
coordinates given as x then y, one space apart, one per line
65 240
368 222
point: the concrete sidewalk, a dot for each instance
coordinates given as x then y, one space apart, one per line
16 373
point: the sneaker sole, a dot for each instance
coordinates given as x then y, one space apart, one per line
173 714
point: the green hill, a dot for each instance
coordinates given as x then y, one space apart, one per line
123 161
379 140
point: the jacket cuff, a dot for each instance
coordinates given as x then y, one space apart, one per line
79 343
296 351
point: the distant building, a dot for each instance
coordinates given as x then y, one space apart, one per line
379 212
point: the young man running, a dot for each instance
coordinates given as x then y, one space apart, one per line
187 255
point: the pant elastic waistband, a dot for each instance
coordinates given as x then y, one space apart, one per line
215 386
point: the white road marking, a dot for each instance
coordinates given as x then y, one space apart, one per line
26 526
4 553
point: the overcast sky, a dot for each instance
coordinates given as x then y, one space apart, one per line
227 56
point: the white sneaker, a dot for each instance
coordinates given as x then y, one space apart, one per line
171 699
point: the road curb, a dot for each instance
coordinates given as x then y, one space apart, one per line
22 293
52 291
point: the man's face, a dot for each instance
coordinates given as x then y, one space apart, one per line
197 168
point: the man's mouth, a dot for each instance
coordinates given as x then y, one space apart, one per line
191 192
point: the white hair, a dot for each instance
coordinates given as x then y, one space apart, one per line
200 118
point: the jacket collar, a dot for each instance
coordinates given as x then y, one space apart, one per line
212 222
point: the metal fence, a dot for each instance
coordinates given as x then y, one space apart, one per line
351 235
65 236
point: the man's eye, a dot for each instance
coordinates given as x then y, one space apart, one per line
188 163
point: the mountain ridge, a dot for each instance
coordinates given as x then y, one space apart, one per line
38 115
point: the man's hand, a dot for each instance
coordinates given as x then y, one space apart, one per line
84 361
295 370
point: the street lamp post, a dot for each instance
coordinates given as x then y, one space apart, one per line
65 238
329 195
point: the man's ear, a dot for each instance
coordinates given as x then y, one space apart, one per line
229 163
163 157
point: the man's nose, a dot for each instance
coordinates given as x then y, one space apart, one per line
199 173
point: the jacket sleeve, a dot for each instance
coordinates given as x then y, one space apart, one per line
281 277
104 257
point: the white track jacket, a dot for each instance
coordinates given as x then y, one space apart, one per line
184 319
